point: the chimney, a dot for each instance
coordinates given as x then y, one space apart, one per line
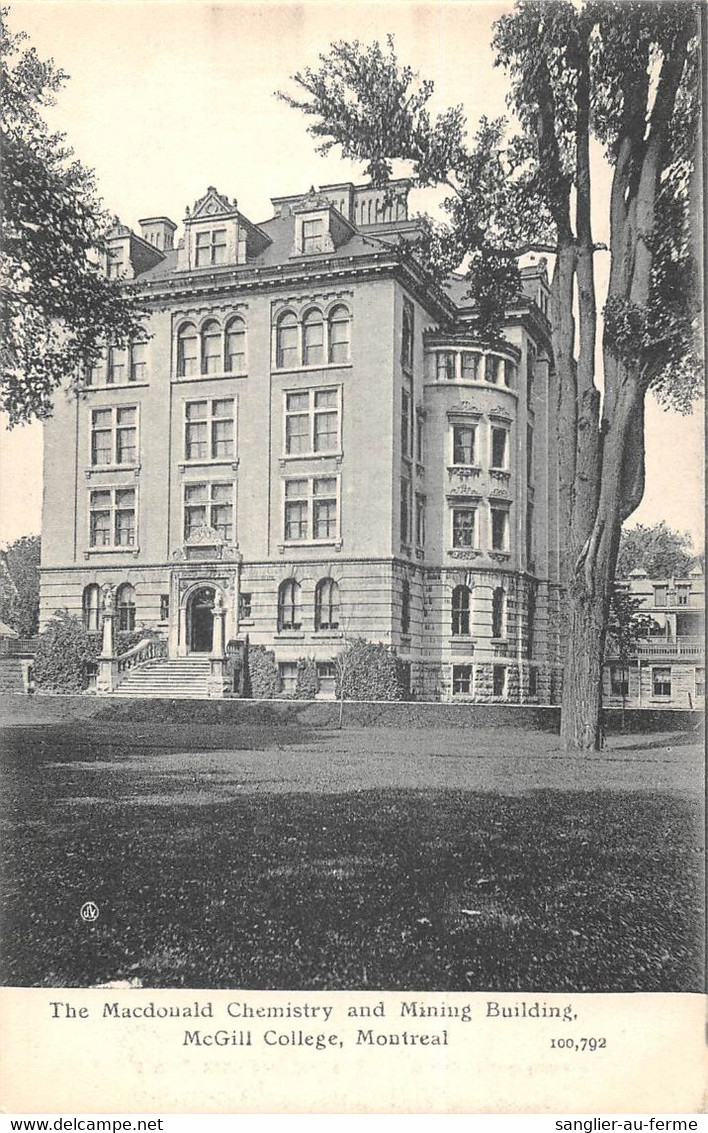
158 231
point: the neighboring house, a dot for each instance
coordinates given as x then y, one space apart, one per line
311 444
666 668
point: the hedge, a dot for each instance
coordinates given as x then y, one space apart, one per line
66 651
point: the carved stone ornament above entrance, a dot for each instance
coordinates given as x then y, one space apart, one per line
204 534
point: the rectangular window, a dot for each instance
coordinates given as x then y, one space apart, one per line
493 369
470 367
500 529
210 248
533 682
420 521
405 510
499 680
661 682
407 337
529 534
138 362
209 505
700 681
406 423
116 262
164 607
209 429
112 517
619 680
682 595
463 526
114 435
500 447
311 509
445 366
530 364
288 677
245 606
509 374
529 454
326 675
117 365
463 437
461 679
420 438
311 421
312 236
660 595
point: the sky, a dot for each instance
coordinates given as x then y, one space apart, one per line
166 98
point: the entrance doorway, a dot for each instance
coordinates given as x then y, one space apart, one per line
200 620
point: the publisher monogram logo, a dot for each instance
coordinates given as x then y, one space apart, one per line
89 911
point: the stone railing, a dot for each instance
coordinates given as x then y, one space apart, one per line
671 647
112 670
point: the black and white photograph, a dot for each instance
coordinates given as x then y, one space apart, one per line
351 530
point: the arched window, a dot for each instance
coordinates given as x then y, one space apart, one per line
327 604
339 334
91 606
289 605
125 605
313 339
287 342
498 611
235 347
461 611
211 348
187 351
406 607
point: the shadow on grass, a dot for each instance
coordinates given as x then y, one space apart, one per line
389 889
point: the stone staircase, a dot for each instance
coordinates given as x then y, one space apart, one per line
176 679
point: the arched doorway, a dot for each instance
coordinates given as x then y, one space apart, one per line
200 620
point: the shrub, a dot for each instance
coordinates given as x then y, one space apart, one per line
307 683
261 681
65 653
368 671
126 639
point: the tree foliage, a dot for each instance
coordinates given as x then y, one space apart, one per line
58 307
66 651
657 549
261 679
19 588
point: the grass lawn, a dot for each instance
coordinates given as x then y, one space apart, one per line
288 857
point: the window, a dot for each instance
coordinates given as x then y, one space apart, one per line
463 444
138 362
91 606
245 606
498 612
327 677
311 509
312 339
661 682
445 366
463 526
683 593
533 682
112 517
210 248
509 374
700 681
493 369
500 529
235 347
125 607
530 623
406 422
287 353
287 671
406 607
420 521
470 367
116 262
209 429
117 365
326 604
164 607
461 611
405 510
530 364
529 535
499 680
289 605
619 681
500 447
660 595
312 236
311 421
339 324
420 438
114 435
187 351
461 679
211 348
407 335
529 453
209 505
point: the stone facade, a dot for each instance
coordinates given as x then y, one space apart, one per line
313 438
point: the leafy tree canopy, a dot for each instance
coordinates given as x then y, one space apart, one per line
657 549
57 304
19 584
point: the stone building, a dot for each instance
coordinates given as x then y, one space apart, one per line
309 445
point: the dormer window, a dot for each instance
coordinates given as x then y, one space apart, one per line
210 247
116 262
312 236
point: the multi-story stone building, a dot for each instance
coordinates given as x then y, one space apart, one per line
309 445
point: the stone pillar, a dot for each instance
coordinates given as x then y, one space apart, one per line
107 665
182 632
217 676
